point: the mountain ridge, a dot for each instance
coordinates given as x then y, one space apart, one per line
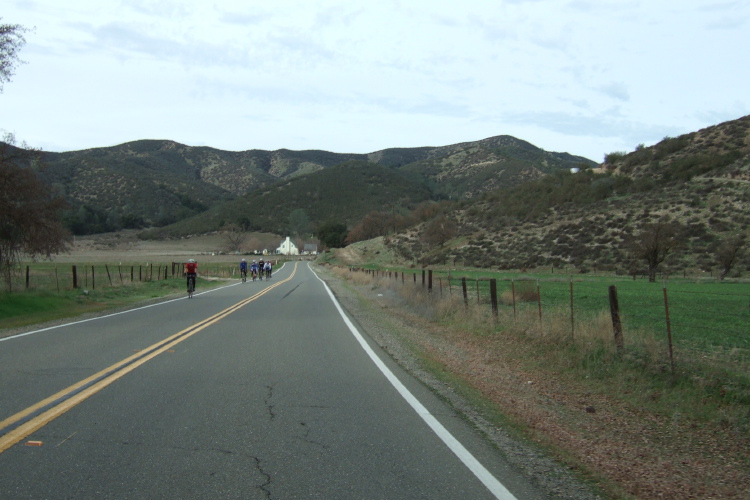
155 182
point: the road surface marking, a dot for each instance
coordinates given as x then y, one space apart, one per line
492 484
25 422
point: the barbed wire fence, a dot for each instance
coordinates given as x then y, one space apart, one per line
698 316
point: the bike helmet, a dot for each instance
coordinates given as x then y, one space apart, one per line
192 261
243 260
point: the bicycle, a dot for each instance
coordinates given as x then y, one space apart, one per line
191 286
244 275
254 274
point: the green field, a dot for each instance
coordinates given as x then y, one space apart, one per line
703 314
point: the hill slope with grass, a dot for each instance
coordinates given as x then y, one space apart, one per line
698 184
158 182
344 193
470 169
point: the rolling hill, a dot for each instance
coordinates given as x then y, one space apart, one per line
151 183
343 193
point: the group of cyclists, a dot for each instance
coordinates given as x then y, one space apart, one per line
257 270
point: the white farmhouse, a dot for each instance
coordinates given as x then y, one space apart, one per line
287 247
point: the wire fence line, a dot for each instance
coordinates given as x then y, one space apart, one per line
703 315
101 275
55 277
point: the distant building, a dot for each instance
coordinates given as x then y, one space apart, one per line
310 249
287 247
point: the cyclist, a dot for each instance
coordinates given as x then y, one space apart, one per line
243 269
260 269
254 269
268 269
191 271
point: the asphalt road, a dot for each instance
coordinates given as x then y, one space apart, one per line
257 390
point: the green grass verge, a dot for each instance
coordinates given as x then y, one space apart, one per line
19 309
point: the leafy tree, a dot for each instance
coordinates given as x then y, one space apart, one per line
332 234
727 252
439 230
653 244
11 42
29 210
614 157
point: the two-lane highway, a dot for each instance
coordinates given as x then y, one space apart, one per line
255 390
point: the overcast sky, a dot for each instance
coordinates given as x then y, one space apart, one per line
587 77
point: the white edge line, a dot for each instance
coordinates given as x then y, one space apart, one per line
492 484
108 315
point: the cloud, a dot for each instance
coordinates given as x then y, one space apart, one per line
590 125
615 90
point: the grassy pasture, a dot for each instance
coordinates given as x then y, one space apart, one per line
703 314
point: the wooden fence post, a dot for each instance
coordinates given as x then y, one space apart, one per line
422 278
75 278
93 280
669 326
429 281
108 275
27 277
572 317
493 297
466 295
539 301
614 308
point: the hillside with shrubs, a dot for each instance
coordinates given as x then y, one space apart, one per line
695 187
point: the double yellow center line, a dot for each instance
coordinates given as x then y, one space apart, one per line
25 422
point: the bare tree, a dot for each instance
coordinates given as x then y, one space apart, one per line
653 244
30 211
373 224
234 236
727 252
11 42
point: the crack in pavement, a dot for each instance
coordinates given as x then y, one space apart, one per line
306 437
269 406
263 487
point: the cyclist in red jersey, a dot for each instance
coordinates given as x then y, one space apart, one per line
191 270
